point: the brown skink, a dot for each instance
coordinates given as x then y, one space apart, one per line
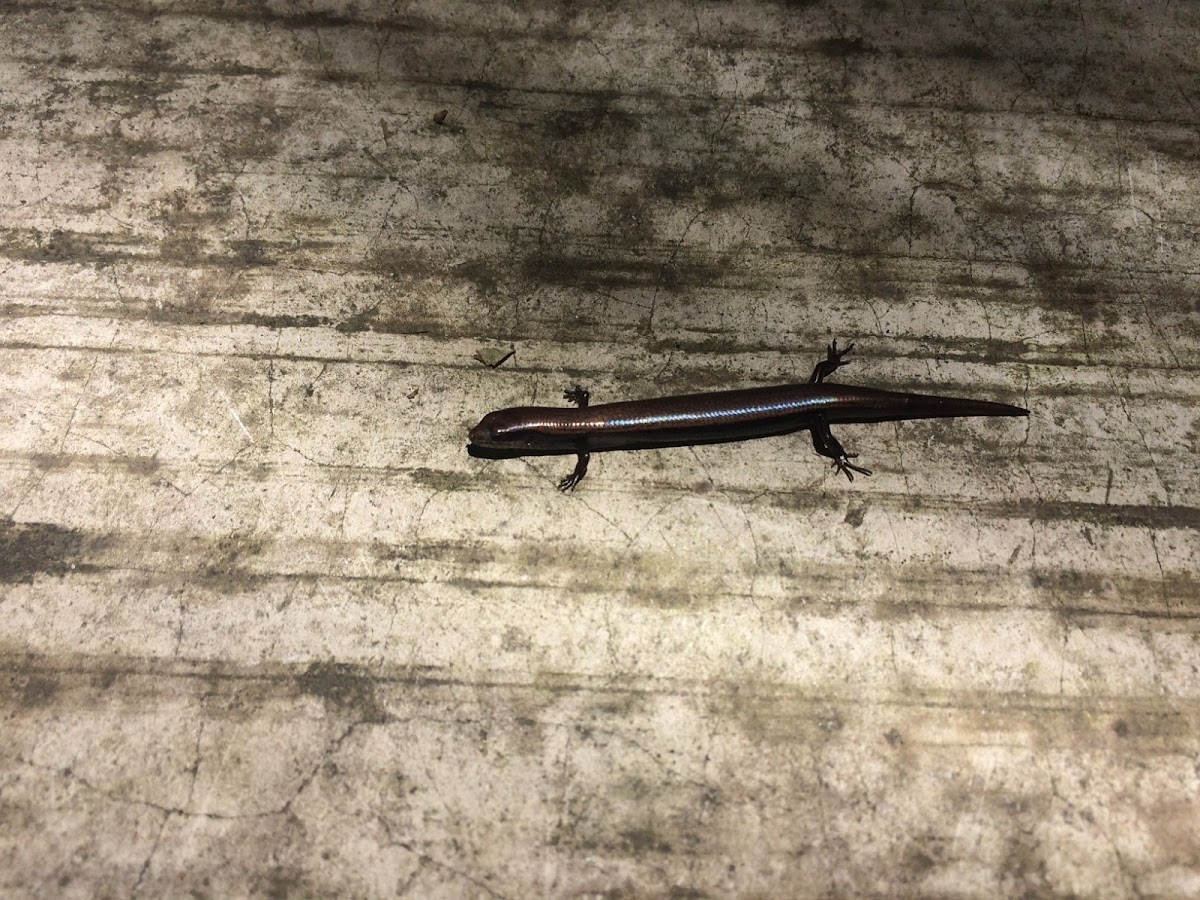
713 418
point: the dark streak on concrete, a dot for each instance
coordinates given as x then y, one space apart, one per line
1065 285
345 687
618 271
841 47
283 321
38 691
28 550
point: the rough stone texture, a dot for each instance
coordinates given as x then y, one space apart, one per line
266 628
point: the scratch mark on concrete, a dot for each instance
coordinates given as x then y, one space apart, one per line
236 417
1120 396
1162 575
194 769
666 267
426 860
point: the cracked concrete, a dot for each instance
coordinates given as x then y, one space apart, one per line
267 629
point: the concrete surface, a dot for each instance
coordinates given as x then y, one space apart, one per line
267 629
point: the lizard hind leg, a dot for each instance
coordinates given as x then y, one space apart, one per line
580 398
581 466
828 446
831 363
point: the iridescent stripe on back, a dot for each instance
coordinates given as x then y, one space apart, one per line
679 413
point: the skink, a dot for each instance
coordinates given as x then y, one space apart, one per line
712 418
